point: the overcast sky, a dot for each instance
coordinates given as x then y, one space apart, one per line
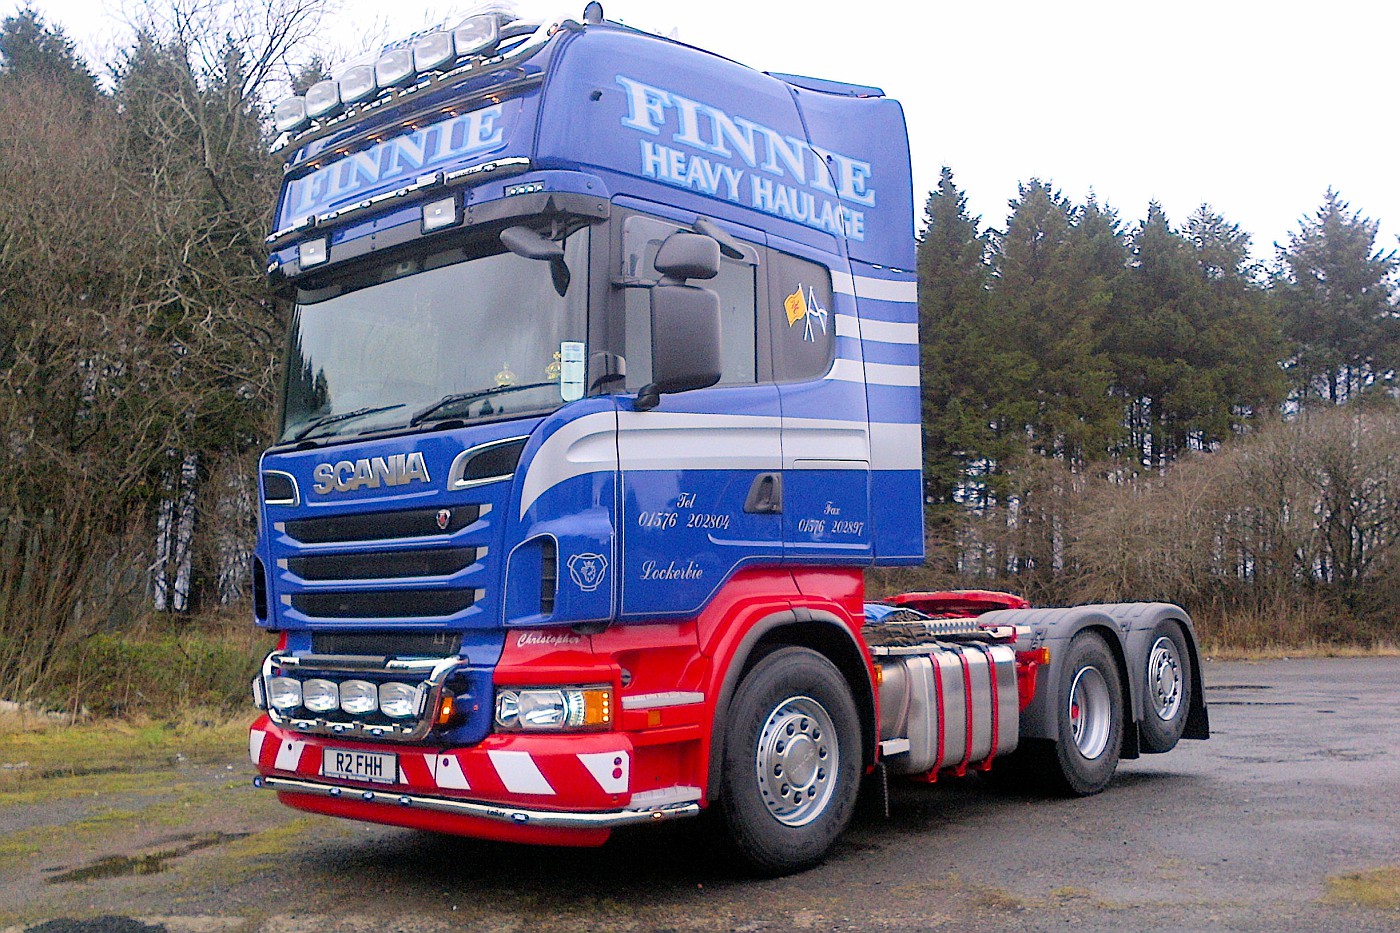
1254 107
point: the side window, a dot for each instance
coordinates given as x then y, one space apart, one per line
803 323
736 285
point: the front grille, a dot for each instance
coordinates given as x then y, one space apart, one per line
436 563
391 604
379 526
387 644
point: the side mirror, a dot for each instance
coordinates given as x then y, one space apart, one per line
685 340
529 243
687 256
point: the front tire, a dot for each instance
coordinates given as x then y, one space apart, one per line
792 762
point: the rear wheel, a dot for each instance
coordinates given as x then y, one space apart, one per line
792 761
1090 719
1166 688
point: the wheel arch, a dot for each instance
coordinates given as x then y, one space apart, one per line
820 631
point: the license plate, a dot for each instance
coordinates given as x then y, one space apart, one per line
377 767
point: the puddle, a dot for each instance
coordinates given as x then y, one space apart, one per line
149 863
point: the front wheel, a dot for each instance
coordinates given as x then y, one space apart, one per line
792 761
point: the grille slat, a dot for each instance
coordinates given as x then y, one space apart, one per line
436 563
388 604
380 526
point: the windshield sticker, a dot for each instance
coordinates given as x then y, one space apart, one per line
741 161
454 141
505 377
805 308
587 571
571 370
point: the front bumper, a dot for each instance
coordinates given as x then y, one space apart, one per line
514 787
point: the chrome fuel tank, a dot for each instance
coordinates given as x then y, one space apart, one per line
953 705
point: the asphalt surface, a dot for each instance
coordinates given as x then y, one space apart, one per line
1300 783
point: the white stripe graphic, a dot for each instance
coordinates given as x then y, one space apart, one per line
891 374
519 773
847 325
815 439
896 446
587 445
289 755
255 744
888 332
863 286
448 773
610 769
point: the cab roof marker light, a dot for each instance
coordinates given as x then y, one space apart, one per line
289 114
357 83
322 98
433 50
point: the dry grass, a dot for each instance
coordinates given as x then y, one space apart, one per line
1378 887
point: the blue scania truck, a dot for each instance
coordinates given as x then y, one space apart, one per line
602 392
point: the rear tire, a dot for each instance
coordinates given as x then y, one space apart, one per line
1090 719
1166 686
792 762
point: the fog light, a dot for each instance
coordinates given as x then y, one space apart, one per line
312 252
322 98
320 696
432 50
394 67
438 215
476 34
398 701
289 114
358 697
357 83
283 693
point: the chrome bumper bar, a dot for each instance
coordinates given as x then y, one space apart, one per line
553 819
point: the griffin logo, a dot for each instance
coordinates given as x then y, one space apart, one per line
588 571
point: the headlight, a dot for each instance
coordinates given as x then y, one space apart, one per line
398 701
320 696
358 697
553 709
283 693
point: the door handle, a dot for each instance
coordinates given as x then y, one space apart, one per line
765 495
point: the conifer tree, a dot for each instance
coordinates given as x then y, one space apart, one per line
1338 303
31 49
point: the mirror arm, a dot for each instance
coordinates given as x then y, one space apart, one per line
647 398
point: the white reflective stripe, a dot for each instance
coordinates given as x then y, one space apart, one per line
663 795
610 769
844 370
891 374
448 773
864 286
658 700
289 755
887 331
580 447
847 325
255 744
886 289
519 773
809 439
653 440
896 446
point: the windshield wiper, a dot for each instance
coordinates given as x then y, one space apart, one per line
469 396
343 416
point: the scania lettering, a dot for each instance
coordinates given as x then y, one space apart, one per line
602 393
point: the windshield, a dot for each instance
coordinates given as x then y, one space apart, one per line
458 334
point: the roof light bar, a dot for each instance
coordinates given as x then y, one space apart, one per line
433 50
322 98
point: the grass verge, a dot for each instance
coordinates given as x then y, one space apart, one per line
1378 887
